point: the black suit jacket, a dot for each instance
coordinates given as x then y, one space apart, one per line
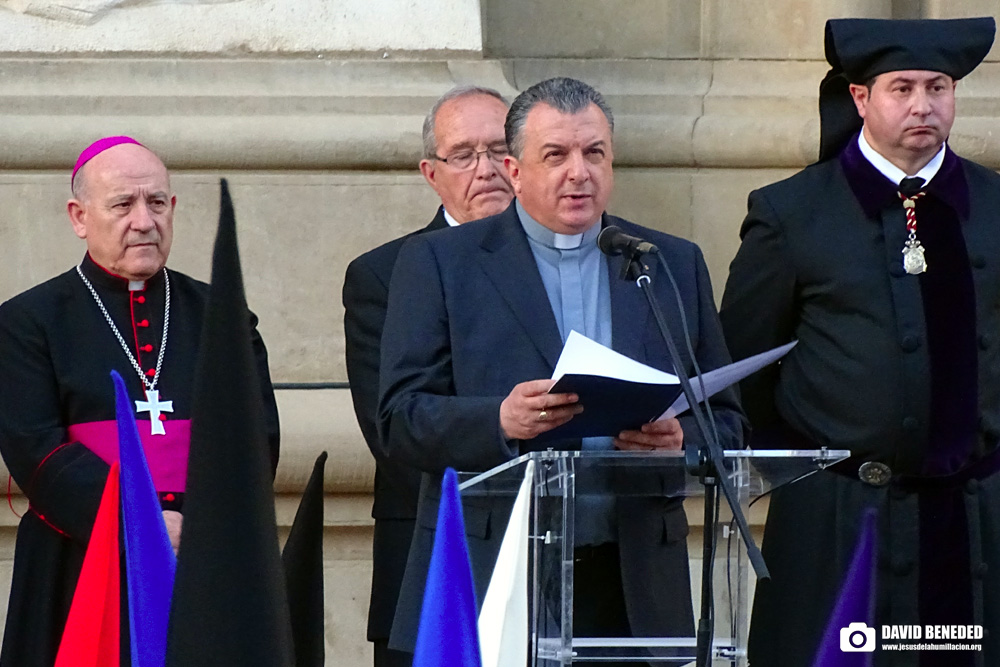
366 293
468 319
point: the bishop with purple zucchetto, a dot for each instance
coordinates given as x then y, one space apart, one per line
119 309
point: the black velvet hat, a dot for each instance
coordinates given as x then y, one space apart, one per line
860 49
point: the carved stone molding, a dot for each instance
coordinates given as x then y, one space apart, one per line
86 12
320 114
172 28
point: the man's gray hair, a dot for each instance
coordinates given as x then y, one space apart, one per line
430 143
563 94
78 185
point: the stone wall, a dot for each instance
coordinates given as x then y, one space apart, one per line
312 109
172 28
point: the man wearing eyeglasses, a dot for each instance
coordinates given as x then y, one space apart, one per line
464 150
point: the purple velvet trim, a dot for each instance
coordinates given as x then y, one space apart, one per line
945 574
874 191
948 295
950 311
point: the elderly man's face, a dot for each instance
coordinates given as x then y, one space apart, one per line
469 125
563 177
125 211
908 114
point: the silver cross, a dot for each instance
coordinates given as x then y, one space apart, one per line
154 406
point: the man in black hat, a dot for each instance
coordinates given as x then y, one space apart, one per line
881 260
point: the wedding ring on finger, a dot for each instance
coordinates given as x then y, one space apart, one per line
543 415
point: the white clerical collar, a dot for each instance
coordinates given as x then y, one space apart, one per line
136 285
894 173
542 234
567 241
452 222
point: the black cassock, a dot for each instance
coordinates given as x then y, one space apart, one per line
57 351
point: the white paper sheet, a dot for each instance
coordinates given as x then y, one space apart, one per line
720 378
582 356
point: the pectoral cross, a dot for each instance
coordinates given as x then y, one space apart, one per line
154 406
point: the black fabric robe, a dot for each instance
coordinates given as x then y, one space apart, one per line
56 354
900 369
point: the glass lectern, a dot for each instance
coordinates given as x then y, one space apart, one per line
560 478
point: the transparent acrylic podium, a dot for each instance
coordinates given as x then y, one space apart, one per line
562 477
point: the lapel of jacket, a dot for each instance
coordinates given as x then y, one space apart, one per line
510 266
630 312
438 222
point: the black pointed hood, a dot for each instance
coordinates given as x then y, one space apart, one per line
303 560
230 607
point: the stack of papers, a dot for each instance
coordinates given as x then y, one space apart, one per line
619 393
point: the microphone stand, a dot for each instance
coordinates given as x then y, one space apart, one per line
705 461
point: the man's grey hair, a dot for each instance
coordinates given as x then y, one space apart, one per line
430 142
79 185
563 94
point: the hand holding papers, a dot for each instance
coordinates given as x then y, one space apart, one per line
619 393
530 410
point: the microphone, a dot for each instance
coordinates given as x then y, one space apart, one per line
613 241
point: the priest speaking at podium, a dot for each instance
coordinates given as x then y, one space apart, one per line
476 320
119 309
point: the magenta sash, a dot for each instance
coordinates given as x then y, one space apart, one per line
166 455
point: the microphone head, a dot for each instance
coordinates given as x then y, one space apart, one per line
606 240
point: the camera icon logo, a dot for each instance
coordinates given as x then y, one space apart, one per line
857 638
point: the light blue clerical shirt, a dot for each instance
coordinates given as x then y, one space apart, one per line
575 275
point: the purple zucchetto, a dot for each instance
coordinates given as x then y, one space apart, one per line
96 148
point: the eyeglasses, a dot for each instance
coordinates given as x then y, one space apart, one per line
466 159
